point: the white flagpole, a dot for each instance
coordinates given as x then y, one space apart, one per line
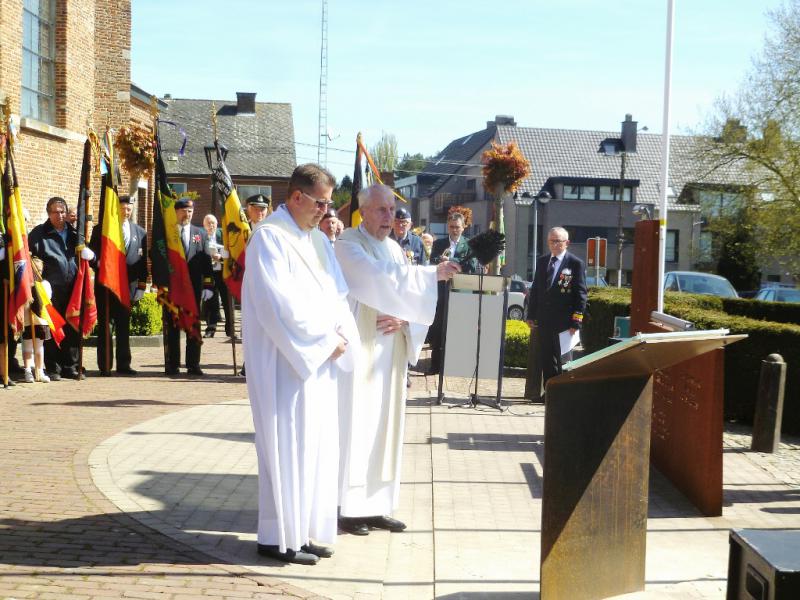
664 187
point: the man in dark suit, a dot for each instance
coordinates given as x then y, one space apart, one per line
454 247
135 239
409 241
557 300
195 242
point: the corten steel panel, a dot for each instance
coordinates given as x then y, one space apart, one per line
686 442
594 504
687 398
644 295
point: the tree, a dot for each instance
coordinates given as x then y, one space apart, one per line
409 165
758 128
384 152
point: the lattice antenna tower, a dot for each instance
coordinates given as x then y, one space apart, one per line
322 150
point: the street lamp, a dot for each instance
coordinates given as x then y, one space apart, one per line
621 147
212 151
527 199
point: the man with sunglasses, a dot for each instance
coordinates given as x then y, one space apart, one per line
557 300
298 335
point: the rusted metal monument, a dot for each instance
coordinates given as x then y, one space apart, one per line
653 398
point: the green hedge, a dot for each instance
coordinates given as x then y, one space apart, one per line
780 312
742 359
146 316
517 339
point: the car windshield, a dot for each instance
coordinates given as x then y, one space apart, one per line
702 284
788 296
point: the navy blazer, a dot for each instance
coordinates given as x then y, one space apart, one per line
58 258
413 243
560 306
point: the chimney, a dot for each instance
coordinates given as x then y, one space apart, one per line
502 120
245 103
629 134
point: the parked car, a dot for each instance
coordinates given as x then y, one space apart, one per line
776 292
592 281
517 299
699 283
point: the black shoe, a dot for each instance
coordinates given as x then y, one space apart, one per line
11 381
316 550
353 525
54 376
290 556
14 368
127 371
169 371
209 333
384 522
70 374
242 373
196 371
105 373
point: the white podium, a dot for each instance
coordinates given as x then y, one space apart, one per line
474 332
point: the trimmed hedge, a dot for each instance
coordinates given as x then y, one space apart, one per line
742 359
780 312
146 316
517 339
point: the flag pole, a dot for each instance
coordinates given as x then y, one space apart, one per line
231 304
164 310
5 332
33 346
87 212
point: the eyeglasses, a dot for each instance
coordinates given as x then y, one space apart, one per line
321 204
557 241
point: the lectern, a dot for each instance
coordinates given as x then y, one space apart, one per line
596 463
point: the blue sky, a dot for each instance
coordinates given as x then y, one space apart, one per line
433 71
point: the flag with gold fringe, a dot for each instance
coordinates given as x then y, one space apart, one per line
18 258
112 268
81 311
235 228
170 269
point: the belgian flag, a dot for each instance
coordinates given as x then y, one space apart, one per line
235 228
18 258
170 269
112 268
358 183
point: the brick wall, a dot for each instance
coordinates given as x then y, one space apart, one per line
92 81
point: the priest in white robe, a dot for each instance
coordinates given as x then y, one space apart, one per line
393 303
299 335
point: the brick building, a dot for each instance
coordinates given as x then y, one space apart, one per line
259 137
63 64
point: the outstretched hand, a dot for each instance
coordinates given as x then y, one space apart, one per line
445 270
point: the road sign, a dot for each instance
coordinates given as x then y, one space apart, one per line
596 252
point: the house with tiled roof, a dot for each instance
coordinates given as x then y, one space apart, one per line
259 137
583 183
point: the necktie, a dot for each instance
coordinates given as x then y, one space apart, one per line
185 238
126 234
551 268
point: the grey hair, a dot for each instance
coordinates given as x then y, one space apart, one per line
368 194
560 231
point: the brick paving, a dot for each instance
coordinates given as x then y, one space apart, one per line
146 488
60 537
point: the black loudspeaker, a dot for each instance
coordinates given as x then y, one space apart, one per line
764 564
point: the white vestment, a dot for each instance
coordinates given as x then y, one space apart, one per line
293 306
372 397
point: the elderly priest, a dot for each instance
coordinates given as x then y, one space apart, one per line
393 303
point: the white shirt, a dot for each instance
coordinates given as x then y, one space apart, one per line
453 247
126 233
